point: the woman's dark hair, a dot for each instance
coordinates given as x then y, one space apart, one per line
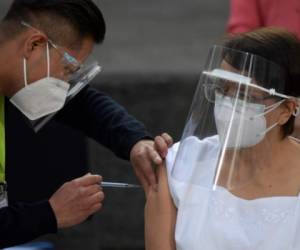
83 17
280 47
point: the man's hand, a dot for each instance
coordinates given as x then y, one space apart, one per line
146 155
76 200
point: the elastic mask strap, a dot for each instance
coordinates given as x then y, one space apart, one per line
25 71
25 65
48 60
268 129
270 108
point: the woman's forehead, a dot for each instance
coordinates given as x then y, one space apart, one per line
238 85
226 66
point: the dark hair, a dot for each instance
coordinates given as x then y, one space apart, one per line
56 17
281 48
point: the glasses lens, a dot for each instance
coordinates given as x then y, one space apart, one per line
210 91
71 65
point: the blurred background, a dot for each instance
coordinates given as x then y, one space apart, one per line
152 57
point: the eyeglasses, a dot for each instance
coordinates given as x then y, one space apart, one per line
210 91
71 64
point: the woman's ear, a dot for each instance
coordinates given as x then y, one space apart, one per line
289 109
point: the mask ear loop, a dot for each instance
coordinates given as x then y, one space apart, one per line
48 60
296 111
270 108
268 129
25 65
25 71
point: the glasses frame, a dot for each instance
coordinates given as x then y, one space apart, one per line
75 64
211 89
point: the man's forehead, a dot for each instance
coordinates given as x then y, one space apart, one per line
86 49
83 52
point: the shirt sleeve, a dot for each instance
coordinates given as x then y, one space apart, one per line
189 171
244 16
104 120
21 223
173 184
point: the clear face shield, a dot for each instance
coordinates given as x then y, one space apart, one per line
77 82
225 161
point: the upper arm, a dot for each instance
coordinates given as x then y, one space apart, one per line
160 215
103 119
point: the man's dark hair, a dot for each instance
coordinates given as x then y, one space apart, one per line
64 21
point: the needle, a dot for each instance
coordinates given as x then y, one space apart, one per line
118 185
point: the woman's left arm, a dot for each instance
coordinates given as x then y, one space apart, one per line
160 215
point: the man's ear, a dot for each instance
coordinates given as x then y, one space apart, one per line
36 41
288 110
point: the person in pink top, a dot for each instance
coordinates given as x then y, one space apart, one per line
247 15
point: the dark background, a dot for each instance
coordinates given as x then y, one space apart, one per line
152 58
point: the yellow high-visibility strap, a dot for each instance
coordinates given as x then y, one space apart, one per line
2 140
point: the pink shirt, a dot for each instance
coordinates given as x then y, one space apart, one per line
247 15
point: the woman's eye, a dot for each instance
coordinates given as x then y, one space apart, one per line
242 96
219 90
254 99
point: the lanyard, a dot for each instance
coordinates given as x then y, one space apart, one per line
2 140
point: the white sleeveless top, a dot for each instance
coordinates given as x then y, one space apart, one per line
218 220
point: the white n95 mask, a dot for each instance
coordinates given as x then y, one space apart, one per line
246 122
43 97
